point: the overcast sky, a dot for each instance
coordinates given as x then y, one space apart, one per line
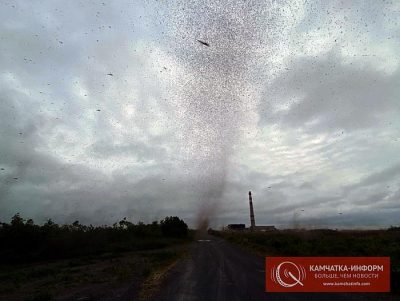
112 109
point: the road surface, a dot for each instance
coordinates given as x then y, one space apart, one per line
217 270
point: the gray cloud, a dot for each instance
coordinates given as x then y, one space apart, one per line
296 102
327 94
379 177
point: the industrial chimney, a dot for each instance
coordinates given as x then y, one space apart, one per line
252 219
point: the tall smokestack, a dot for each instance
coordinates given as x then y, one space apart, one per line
252 219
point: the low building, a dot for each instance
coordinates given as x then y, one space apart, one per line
236 227
264 228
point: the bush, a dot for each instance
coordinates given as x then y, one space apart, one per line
24 241
41 296
173 226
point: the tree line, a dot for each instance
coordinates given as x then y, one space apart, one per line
24 241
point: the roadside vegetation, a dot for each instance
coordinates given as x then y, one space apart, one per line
72 261
323 242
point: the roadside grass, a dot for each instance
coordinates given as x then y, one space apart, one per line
45 281
160 264
68 262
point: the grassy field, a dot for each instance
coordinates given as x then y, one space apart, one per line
88 278
323 243
72 262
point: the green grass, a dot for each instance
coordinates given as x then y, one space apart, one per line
40 281
41 296
320 242
39 262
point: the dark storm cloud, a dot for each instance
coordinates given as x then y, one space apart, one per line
51 188
386 175
314 202
326 93
306 185
274 105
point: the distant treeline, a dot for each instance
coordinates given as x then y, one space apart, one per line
24 241
323 242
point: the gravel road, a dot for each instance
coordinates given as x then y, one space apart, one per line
217 270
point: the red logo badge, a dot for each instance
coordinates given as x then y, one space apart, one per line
327 274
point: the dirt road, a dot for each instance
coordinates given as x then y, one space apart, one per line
217 270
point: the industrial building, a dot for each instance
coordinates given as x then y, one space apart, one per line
253 227
236 227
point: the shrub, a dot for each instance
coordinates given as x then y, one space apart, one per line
173 226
